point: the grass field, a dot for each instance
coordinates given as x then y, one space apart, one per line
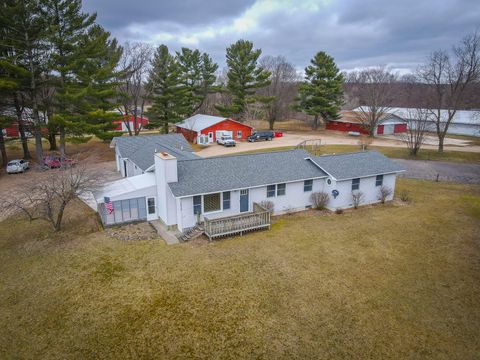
392 281
396 152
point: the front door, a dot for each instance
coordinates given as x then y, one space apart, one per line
244 200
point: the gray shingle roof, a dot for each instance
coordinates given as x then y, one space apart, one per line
355 165
224 173
141 149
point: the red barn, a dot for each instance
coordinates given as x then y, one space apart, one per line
351 121
204 129
122 126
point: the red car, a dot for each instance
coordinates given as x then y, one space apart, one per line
58 161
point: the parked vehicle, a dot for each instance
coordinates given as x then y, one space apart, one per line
261 135
17 166
58 161
226 140
278 134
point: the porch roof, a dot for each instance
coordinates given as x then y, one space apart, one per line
125 186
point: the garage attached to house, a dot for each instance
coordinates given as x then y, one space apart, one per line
206 129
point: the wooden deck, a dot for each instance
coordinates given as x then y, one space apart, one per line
238 224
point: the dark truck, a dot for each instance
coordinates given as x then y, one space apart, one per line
261 135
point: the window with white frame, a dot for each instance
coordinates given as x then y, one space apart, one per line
226 200
355 184
239 134
379 180
151 205
281 189
211 202
270 191
307 185
197 204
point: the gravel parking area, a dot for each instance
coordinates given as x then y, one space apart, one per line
446 171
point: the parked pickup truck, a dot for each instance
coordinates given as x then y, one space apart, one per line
226 141
261 135
17 166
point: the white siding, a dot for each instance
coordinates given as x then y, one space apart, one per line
367 187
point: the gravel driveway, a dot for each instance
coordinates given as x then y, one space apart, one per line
447 171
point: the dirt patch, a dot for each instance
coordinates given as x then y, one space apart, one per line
135 231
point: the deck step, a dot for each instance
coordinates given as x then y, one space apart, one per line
192 233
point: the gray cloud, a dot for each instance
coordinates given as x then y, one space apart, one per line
356 33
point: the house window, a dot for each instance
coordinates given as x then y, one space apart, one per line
211 202
307 185
281 189
355 184
226 200
197 204
239 134
151 205
210 135
379 180
270 191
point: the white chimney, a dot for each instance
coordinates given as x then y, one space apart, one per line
166 172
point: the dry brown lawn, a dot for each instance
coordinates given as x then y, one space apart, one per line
396 281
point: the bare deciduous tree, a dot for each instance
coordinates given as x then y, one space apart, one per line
282 88
383 193
357 198
134 66
418 124
450 76
48 198
373 87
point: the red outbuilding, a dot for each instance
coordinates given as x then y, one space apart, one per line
121 124
205 129
351 121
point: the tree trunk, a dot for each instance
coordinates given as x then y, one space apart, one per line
3 151
52 140
165 127
58 224
315 122
24 140
62 140
441 139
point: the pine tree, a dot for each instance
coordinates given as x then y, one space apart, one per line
197 76
321 94
24 24
88 98
168 93
66 27
244 77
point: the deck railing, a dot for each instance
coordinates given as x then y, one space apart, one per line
238 224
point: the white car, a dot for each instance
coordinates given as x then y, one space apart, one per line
17 166
226 140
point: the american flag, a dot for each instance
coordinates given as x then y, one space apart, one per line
108 204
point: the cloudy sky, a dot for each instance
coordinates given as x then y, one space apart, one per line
357 33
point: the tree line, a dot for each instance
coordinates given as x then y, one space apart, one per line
70 77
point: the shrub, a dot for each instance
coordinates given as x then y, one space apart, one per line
404 196
108 135
383 193
267 204
357 198
339 211
319 200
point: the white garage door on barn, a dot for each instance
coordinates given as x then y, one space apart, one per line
388 129
220 133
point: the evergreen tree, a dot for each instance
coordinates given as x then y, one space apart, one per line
321 94
197 76
88 95
168 94
24 24
244 77
66 27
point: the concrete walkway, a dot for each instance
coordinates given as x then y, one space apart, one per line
167 235
447 171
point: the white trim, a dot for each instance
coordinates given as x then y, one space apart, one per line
367 176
